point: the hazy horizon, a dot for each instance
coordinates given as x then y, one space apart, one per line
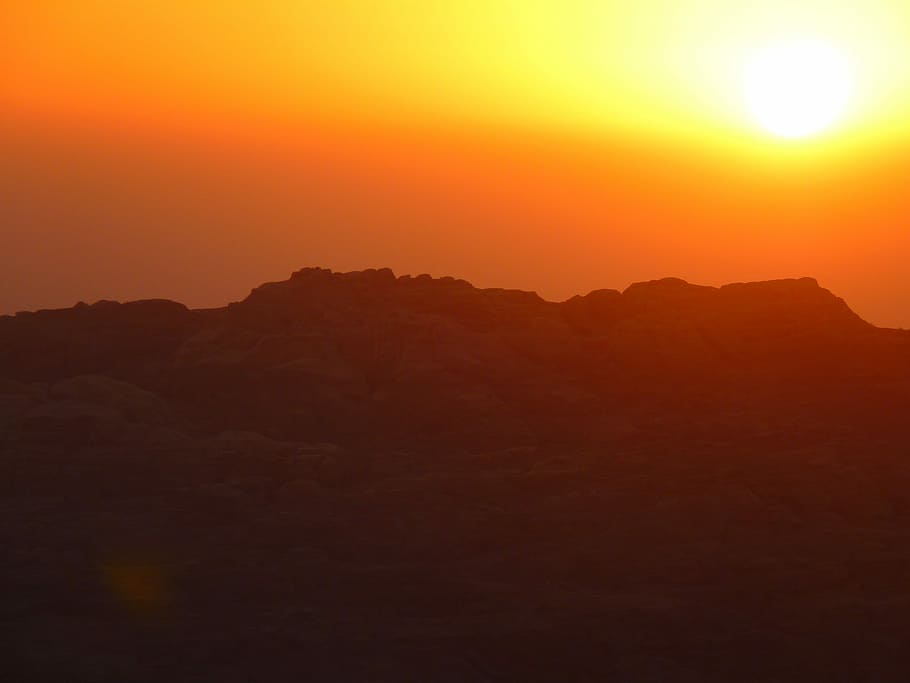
191 152
138 210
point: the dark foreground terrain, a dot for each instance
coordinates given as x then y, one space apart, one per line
353 477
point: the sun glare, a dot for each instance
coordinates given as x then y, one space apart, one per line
798 89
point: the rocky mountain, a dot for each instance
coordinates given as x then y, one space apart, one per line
365 356
358 476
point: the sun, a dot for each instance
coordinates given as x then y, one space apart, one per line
798 89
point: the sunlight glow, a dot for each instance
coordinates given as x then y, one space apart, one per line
661 69
798 89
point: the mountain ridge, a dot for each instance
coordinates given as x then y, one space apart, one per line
368 353
368 477
385 276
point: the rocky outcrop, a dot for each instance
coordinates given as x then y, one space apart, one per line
375 478
366 355
134 341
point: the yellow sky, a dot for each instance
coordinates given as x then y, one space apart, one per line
658 65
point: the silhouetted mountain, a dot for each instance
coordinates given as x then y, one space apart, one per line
362 477
367 356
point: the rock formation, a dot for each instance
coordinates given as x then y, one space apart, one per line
358 476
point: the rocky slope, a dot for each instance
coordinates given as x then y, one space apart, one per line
362 477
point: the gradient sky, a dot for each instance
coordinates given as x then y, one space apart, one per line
194 149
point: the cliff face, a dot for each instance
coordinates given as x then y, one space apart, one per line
369 478
366 355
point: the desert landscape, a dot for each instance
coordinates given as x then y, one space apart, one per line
364 477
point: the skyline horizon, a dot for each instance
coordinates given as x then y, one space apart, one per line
146 210
436 277
556 148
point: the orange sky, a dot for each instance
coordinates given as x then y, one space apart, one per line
193 153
